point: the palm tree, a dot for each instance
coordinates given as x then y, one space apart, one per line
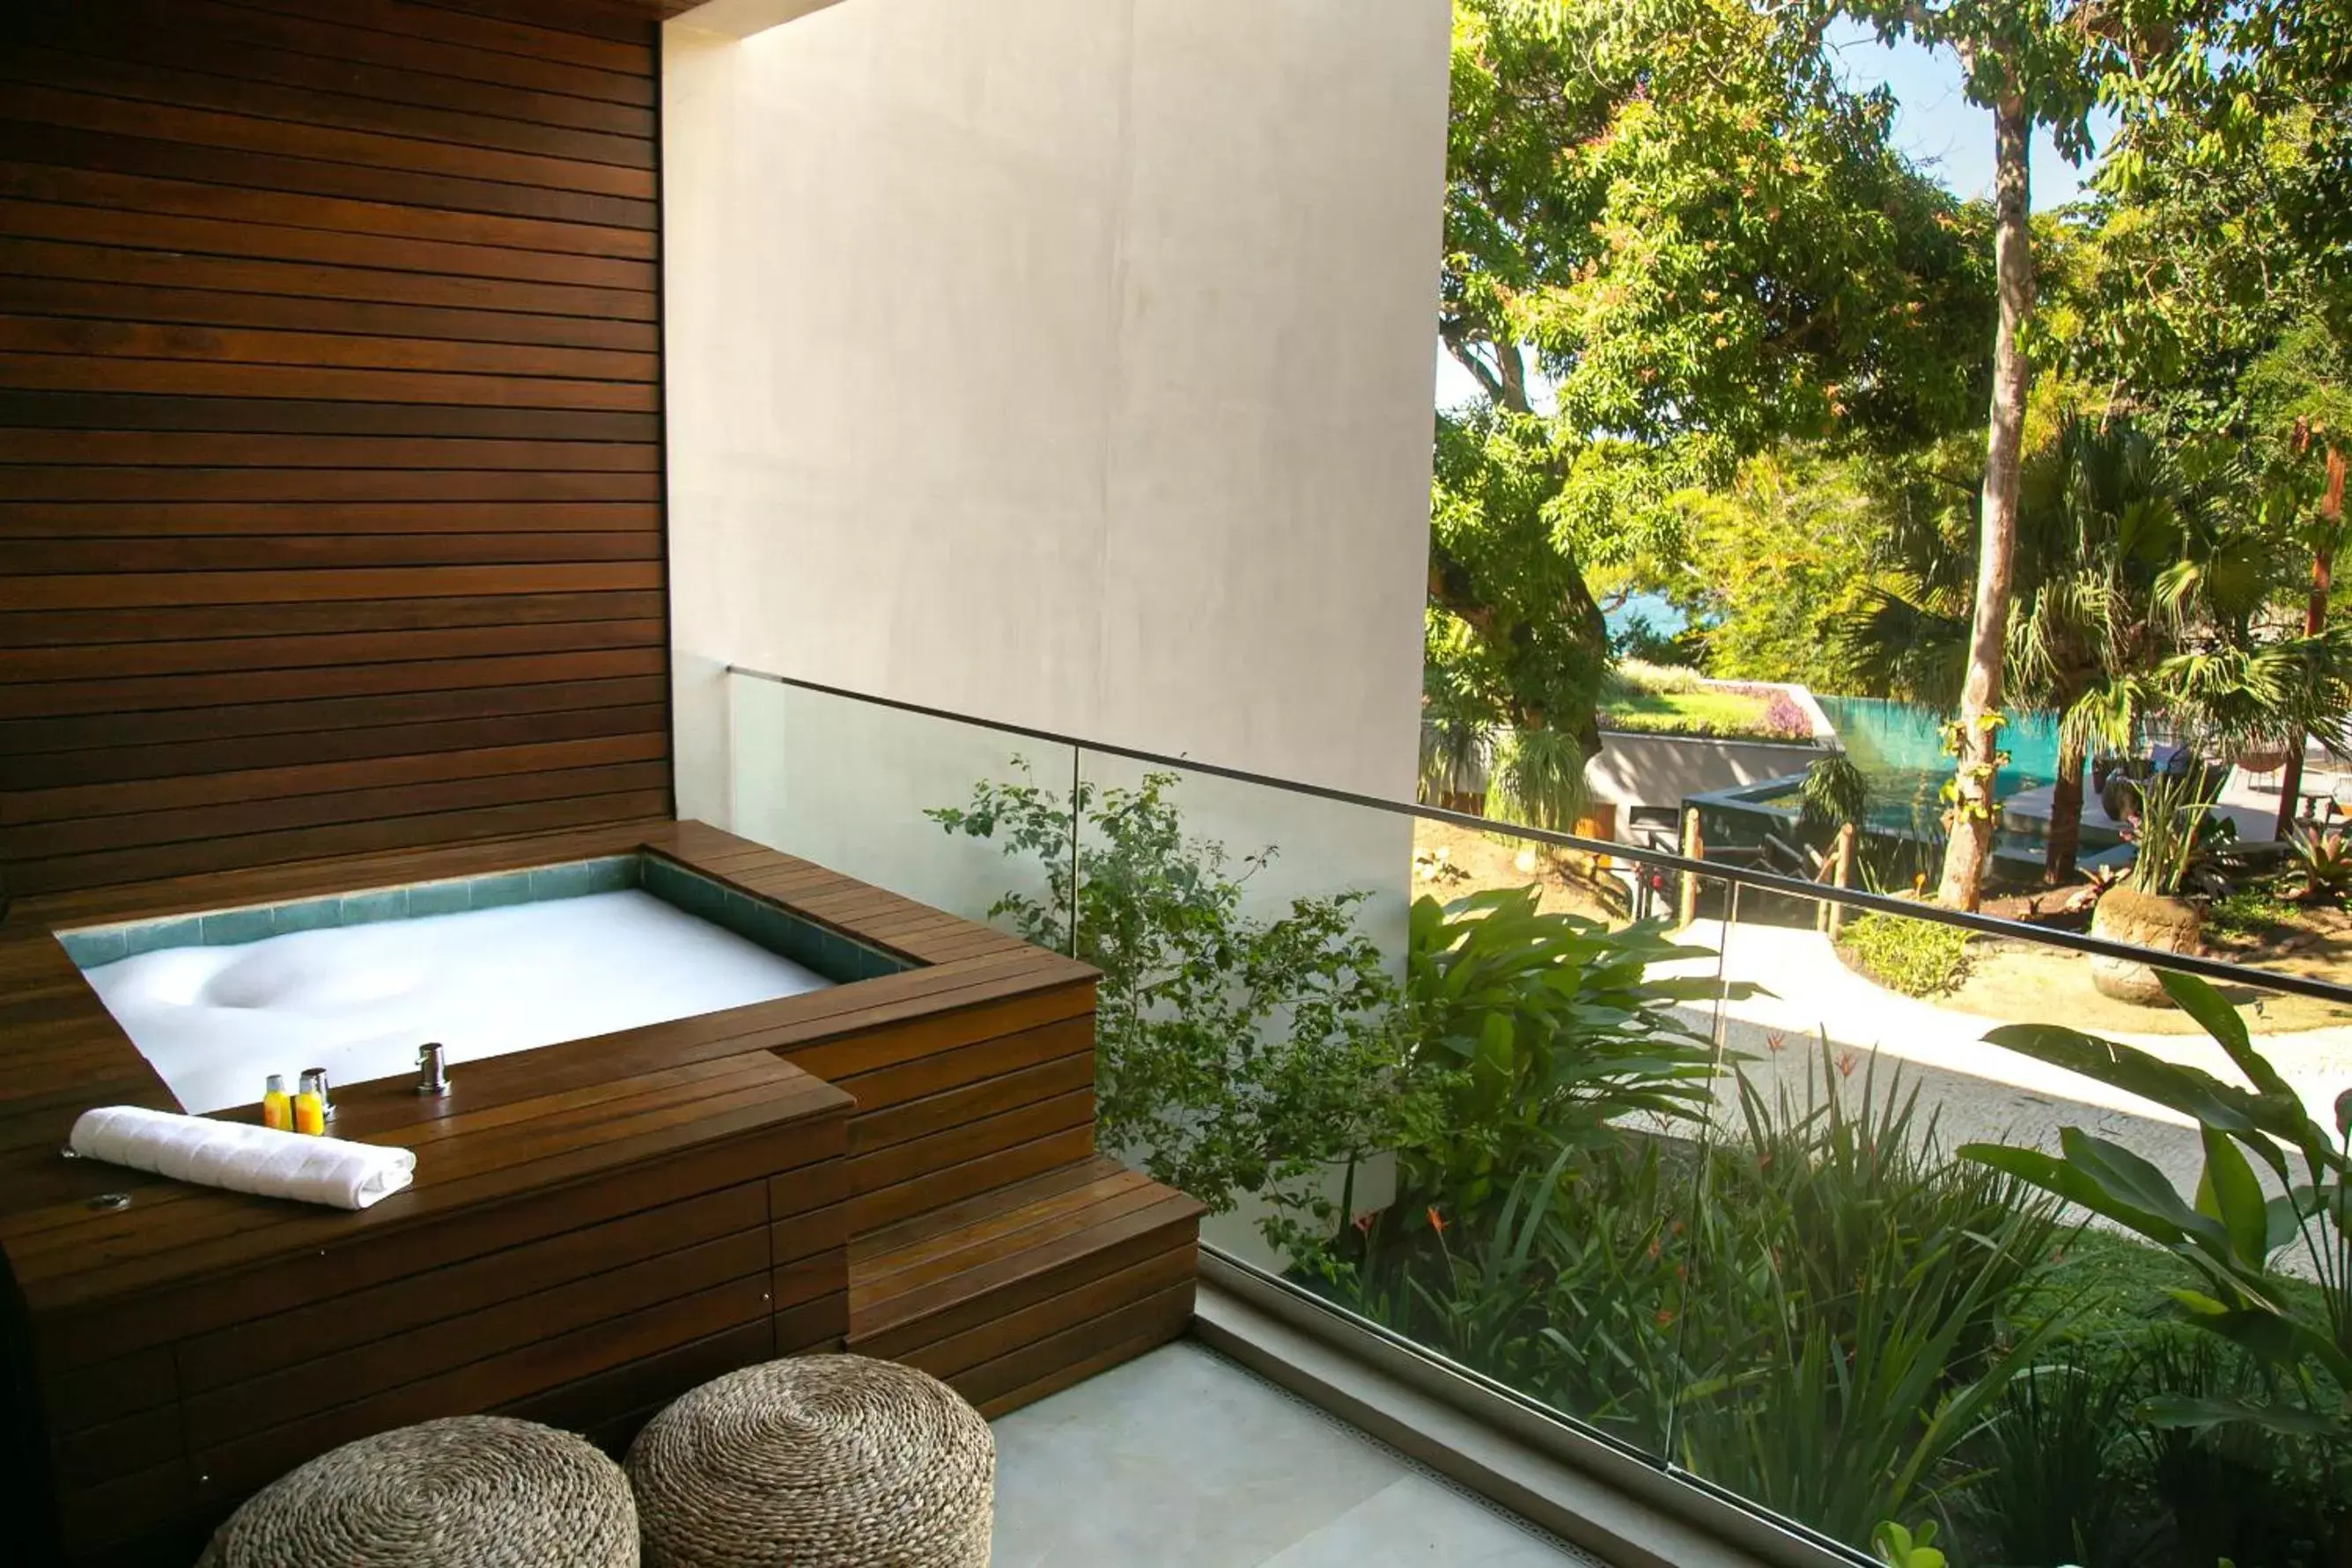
2143 592
2102 534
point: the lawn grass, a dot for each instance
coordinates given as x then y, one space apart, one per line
2260 910
2107 1283
1703 712
2112 1286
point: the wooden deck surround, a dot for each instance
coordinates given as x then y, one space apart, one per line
902 1164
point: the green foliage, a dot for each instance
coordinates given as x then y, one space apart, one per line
1536 1031
2054 1467
1779 559
1673 238
1900 1548
1457 739
1652 699
2177 826
1811 1310
1835 792
2234 1492
2323 863
1536 778
1233 1052
1916 957
2255 910
1512 628
1635 678
2230 1231
1863 1285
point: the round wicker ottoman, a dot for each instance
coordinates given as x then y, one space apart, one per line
819 1461
475 1491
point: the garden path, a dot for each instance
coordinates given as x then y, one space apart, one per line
1978 1092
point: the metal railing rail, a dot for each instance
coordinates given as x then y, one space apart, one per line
2216 969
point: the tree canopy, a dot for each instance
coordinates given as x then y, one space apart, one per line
1673 239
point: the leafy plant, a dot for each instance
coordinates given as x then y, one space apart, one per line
2177 827
1863 1285
1834 794
1814 1308
2229 1233
2257 910
1233 1052
2049 1468
1898 1547
1457 739
1639 677
2323 860
1534 1031
2233 1490
1916 957
1536 778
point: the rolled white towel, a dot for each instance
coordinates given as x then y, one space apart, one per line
243 1158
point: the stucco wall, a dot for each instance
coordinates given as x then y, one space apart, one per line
1065 361
1661 769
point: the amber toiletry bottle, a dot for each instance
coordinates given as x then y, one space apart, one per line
277 1110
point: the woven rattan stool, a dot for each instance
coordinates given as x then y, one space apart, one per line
820 1461
477 1491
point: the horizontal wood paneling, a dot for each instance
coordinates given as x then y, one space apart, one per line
330 429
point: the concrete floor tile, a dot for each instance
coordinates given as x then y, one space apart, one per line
1417 1521
1182 1459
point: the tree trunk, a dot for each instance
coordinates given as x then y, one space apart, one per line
1972 841
2065 821
2315 621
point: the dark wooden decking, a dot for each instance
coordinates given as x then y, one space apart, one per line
904 1164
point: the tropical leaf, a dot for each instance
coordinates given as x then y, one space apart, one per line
2199 1413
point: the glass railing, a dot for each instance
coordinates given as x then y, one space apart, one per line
1884 1222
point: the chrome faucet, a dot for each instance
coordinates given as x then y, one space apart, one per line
437 1071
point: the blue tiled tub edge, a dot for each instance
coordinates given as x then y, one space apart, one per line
835 955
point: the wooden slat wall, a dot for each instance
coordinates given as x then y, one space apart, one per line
330 429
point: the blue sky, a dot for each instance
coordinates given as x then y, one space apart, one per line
1935 126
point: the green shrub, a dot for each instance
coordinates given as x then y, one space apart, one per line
1834 792
1916 957
1536 778
1637 677
1532 1033
2260 910
1232 1052
1813 1309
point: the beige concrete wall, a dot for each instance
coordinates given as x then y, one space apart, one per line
1064 361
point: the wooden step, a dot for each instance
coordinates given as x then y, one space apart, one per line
1016 1292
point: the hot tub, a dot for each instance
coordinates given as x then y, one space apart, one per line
355 982
606 1211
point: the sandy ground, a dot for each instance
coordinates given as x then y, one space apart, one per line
1451 862
2015 981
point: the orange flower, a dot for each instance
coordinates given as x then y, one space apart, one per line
1437 1220
1846 1062
1665 1317
1773 1040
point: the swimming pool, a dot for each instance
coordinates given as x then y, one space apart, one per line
1900 750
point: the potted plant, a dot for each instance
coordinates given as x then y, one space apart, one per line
2171 826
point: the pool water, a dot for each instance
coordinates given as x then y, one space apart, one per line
1900 750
